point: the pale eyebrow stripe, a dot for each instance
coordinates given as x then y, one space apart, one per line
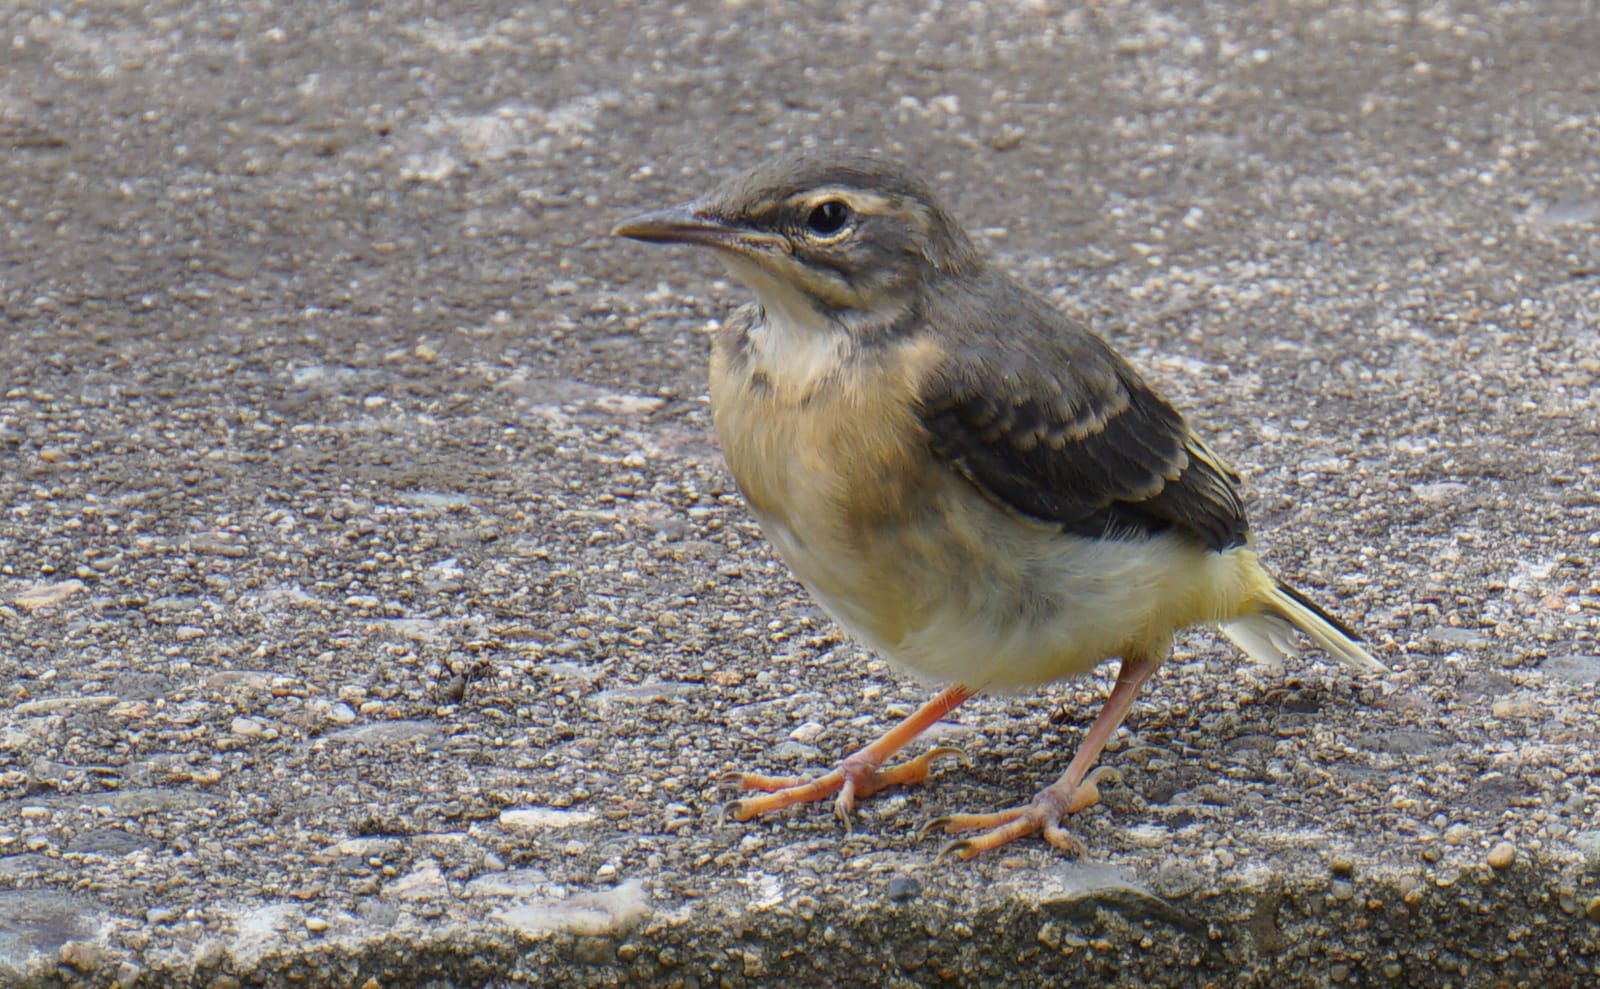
859 200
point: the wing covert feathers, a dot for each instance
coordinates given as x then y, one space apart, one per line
1045 418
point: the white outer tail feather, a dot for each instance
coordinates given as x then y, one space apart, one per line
1267 637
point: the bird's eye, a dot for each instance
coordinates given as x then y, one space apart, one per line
828 217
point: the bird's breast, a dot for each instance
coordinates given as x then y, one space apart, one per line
834 461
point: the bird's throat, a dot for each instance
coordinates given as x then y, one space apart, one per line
792 345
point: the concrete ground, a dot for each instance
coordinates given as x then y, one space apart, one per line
375 610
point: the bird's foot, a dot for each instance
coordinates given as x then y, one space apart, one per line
1043 815
858 777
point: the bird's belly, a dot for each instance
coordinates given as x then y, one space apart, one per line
970 594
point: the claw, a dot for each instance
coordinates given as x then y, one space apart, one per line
1105 774
1042 815
857 777
853 781
1065 840
756 781
951 823
844 805
940 751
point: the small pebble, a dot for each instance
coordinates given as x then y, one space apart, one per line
1502 855
1440 493
317 925
85 956
807 733
903 888
47 595
1520 708
543 818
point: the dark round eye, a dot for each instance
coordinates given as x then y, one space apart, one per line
828 217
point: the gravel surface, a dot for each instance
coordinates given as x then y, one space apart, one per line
375 609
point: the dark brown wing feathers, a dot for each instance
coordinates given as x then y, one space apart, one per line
1045 418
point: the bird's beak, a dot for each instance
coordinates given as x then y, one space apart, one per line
693 224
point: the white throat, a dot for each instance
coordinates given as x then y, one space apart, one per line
796 346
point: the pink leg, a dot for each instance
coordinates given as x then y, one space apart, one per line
1074 791
860 775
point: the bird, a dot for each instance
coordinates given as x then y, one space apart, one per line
968 481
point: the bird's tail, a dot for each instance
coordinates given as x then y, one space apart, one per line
1267 637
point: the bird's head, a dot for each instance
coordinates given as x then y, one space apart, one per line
850 238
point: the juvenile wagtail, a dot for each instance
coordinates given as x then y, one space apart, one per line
968 481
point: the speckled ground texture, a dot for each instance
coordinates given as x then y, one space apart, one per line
375 609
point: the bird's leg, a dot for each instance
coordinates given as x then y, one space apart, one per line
859 775
1075 790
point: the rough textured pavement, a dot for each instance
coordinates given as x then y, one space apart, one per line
374 608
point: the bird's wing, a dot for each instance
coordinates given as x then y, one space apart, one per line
1045 418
